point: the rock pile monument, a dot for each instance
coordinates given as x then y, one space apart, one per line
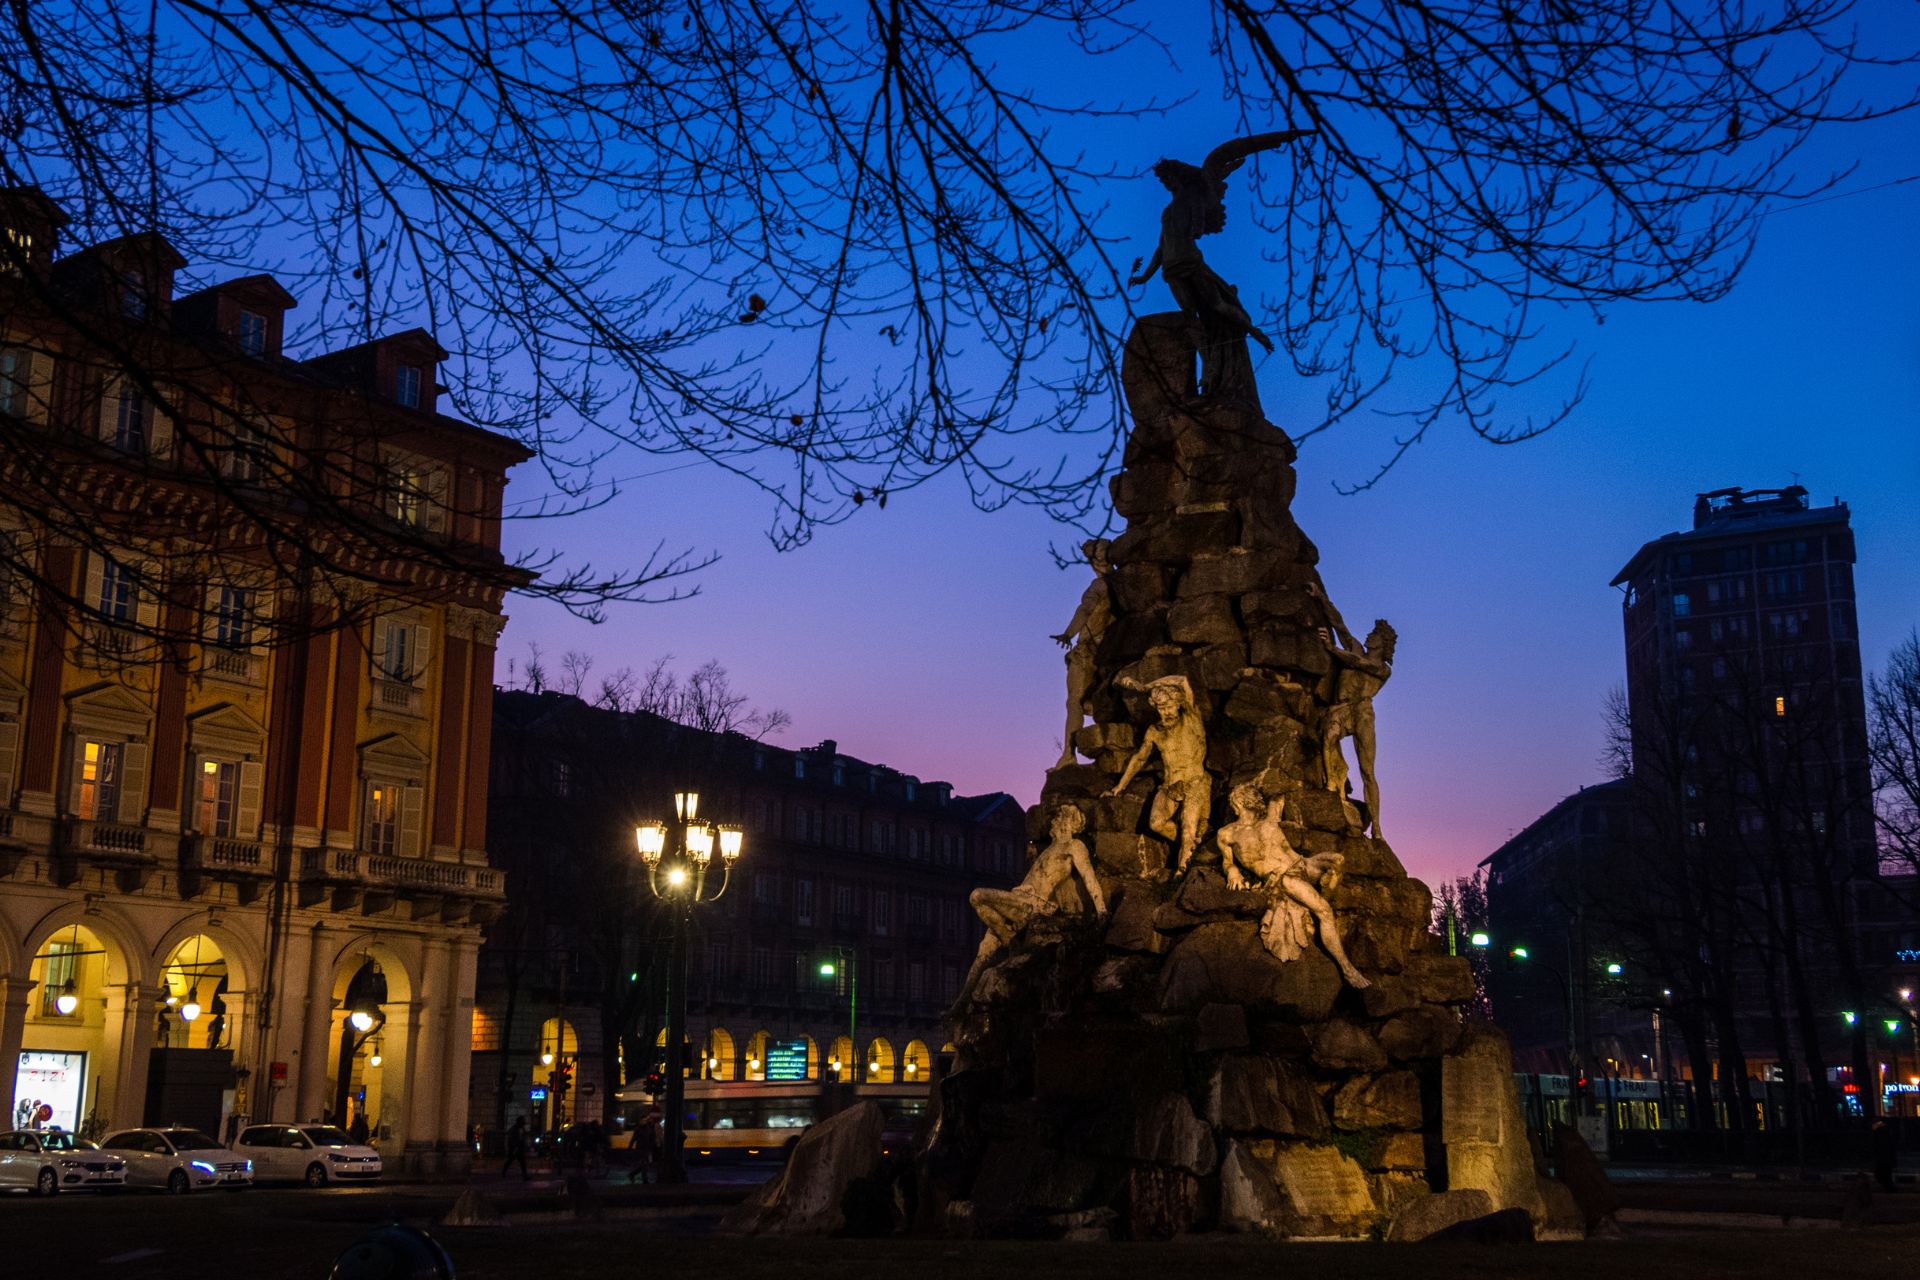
1215 1002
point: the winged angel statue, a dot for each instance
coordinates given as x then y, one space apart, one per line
1198 208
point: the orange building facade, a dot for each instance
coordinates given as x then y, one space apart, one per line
248 614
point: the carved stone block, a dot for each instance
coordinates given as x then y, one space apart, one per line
1203 620
1388 1101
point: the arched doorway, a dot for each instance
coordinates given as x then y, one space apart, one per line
917 1067
879 1062
717 1063
840 1060
368 1042
194 1013
756 1064
77 1041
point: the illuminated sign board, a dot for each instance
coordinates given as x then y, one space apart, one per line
786 1059
538 1095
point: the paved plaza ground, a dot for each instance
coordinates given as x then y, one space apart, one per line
1698 1229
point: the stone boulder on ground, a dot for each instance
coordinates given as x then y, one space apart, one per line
806 1199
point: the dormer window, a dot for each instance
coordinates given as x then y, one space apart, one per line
406 386
252 333
133 295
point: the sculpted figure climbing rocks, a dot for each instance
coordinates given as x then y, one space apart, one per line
1185 792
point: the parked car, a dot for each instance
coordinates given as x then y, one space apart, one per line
50 1160
179 1160
316 1154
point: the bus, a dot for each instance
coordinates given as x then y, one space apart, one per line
731 1120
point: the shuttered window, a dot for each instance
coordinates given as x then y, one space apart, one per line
96 781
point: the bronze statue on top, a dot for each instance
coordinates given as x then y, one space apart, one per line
1198 208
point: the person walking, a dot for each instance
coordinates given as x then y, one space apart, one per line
646 1147
1886 1152
516 1148
358 1129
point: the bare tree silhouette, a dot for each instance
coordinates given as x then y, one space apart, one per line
838 251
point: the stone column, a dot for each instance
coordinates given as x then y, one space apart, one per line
241 1036
312 1096
457 1077
398 1101
130 1028
14 994
426 1057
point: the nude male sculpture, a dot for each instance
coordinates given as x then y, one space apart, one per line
1363 670
1257 855
1082 638
1185 790
1006 912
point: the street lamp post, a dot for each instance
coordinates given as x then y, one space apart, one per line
845 960
680 881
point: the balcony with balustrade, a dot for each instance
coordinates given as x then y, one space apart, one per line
429 889
127 853
210 859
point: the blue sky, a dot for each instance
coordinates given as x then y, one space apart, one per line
918 635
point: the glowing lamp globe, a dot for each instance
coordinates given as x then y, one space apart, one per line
360 1019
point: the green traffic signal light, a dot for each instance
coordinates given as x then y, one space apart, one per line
1481 940
1519 953
827 969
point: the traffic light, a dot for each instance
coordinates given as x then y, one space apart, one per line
563 1077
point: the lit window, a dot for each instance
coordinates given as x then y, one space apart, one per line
383 818
213 814
1780 705
406 494
253 333
63 967
406 386
97 792
1682 604
116 591
19 249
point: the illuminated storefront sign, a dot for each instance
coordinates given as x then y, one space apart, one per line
787 1060
47 1089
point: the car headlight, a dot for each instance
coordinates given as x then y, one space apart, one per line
249 1165
65 1163
201 1165
333 1158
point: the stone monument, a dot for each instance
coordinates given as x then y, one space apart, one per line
1244 1023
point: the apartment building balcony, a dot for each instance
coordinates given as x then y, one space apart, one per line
354 880
126 852
246 864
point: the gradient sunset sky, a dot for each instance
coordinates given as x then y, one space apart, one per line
918 636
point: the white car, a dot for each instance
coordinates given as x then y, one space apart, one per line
50 1160
316 1154
178 1160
